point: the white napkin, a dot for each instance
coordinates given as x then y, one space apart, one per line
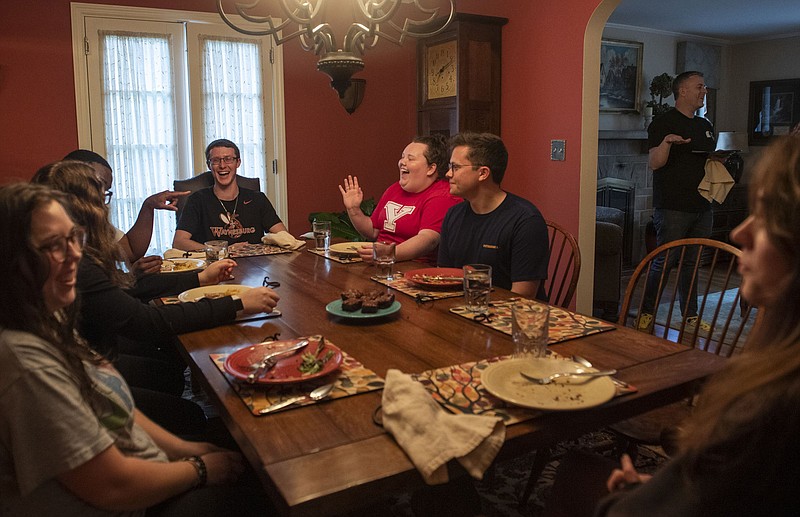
431 436
173 253
717 182
282 239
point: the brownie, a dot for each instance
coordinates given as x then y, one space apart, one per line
369 306
351 293
385 300
351 304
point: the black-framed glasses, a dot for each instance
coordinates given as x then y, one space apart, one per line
57 247
227 160
267 283
108 195
456 166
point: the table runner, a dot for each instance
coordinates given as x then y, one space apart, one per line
352 378
342 259
564 325
459 390
255 250
404 286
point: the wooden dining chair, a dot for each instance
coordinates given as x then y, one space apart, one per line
204 180
721 327
565 266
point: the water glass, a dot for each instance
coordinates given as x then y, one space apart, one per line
216 250
530 322
384 257
477 286
322 235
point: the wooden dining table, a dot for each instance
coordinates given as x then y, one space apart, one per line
331 457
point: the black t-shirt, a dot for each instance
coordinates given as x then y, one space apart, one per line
245 220
675 184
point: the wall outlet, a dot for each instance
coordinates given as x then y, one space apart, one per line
558 149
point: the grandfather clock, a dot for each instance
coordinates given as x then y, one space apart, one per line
458 79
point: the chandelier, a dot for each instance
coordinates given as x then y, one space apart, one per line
375 20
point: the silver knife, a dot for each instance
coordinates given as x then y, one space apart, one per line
270 360
282 404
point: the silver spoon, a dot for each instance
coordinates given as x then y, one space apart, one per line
551 378
318 394
585 362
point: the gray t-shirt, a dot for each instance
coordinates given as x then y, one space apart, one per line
47 428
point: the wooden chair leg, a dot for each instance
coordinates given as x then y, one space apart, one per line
540 461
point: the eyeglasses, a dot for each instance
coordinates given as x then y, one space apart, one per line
57 248
456 166
108 196
227 160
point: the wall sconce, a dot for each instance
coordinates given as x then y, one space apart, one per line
377 21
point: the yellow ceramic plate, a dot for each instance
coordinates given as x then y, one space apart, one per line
347 248
213 291
503 380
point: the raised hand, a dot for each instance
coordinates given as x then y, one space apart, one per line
165 200
352 196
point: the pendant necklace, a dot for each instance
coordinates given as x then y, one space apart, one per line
229 216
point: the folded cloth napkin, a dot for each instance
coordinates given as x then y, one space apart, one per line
431 436
173 253
282 239
717 182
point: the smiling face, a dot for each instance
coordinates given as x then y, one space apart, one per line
693 92
223 164
463 177
50 225
416 174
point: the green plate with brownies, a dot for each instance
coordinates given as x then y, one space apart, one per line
335 308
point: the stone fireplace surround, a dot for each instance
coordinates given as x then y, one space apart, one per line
623 155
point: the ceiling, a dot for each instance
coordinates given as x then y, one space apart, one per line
731 20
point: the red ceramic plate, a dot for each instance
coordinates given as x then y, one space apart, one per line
448 278
240 363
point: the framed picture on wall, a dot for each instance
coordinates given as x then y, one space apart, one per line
774 109
620 75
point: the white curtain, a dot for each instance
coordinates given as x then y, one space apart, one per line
140 126
233 99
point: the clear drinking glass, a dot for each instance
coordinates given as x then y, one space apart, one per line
477 286
383 256
322 235
216 250
530 322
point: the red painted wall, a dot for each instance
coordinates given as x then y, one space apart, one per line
541 100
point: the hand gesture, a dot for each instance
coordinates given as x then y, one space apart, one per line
147 265
216 272
165 200
676 139
259 299
627 475
352 196
223 467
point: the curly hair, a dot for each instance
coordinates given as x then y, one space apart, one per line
25 271
84 191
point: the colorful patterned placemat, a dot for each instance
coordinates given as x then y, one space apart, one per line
352 378
564 325
459 390
404 286
256 250
342 259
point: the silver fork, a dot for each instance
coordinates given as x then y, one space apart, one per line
551 378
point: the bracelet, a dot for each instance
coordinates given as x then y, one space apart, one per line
199 465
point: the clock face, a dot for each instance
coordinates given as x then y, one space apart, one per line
441 69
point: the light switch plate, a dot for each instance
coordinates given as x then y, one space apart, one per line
558 149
